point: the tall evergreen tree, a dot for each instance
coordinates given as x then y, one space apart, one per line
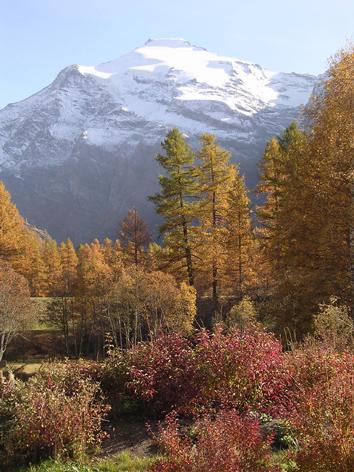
53 265
240 242
215 176
13 232
176 203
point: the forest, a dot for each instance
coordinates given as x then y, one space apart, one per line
230 334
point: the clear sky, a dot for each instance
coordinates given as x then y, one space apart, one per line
40 37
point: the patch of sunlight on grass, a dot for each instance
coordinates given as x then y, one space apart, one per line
123 462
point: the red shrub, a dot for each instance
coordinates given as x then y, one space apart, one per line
241 369
322 412
314 363
162 373
56 413
226 443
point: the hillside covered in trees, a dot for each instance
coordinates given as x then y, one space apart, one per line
196 325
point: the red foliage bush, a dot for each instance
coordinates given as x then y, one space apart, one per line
226 443
322 411
55 413
314 363
241 370
162 373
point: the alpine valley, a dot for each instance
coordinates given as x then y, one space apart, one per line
77 155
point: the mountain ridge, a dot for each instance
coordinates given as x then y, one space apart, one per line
76 147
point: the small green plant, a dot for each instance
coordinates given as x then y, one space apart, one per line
334 325
242 315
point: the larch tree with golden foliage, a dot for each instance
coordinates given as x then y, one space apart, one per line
38 275
69 263
240 243
332 176
14 235
215 175
94 273
176 202
307 217
285 232
53 265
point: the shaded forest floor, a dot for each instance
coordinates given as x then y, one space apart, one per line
129 435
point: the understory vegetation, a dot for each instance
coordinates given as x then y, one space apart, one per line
226 400
232 339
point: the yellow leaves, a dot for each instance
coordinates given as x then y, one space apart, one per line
13 232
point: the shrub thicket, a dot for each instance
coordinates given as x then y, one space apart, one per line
57 413
227 442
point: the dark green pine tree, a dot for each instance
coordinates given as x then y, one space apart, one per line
177 203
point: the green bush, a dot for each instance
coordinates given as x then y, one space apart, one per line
334 325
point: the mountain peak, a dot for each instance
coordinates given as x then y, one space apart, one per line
98 125
168 43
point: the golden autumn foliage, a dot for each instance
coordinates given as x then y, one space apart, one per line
17 311
297 254
214 178
134 235
307 217
242 263
17 241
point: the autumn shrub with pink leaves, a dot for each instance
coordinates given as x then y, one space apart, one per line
54 414
162 373
237 369
226 442
322 408
241 369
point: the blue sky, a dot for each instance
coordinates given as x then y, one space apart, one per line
40 37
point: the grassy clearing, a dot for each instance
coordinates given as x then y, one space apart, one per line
123 462
27 367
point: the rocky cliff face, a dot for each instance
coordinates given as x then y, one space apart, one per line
79 153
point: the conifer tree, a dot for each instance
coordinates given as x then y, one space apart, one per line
332 181
308 214
240 243
271 186
214 180
38 275
113 256
107 248
134 234
53 265
12 230
285 232
117 260
93 271
176 203
69 264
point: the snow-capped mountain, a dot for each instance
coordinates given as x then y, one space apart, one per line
79 153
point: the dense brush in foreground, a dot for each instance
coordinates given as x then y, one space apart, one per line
230 397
